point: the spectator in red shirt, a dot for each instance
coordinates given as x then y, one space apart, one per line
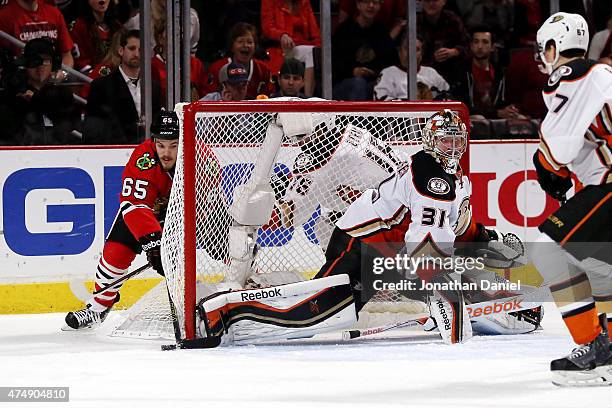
524 83
293 25
481 84
110 62
445 37
29 19
92 32
242 41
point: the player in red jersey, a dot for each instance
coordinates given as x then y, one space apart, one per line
147 180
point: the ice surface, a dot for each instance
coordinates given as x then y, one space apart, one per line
415 370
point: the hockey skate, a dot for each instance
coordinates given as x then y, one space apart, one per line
86 318
588 365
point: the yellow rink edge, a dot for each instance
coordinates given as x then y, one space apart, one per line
57 297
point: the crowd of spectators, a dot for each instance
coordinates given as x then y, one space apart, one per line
480 52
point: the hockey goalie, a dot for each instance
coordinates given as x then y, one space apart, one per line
421 201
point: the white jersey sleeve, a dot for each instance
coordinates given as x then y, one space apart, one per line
332 172
577 128
419 203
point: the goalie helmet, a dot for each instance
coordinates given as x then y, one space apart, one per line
445 138
165 126
567 31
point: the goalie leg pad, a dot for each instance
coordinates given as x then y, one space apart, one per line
521 322
296 310
447 307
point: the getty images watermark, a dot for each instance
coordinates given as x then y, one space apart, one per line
407 266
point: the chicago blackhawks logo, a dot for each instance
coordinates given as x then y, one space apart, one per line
145 162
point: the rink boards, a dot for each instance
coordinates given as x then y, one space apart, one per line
58 204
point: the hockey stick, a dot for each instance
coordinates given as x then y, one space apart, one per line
123 278
486 308
353 334
203 343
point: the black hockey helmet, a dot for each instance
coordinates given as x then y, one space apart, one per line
165 126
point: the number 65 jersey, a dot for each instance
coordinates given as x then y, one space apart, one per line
144 181
421 202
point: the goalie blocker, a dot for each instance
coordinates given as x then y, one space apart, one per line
292 311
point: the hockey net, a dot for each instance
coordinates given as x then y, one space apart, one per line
220 144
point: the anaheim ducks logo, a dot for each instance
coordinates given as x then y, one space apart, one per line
438 186
557 18
145 162
303 160
559 73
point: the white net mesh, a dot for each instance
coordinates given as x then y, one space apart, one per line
314 179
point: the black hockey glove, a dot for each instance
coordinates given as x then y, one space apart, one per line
553 184
151 244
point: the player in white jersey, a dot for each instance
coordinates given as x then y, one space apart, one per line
422 206
574 251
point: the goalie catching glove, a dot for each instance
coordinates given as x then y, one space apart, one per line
151 245
504 251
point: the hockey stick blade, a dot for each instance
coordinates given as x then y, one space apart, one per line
206 343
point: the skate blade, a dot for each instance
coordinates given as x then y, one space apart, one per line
67 328
598 377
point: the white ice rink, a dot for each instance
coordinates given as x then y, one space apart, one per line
503 371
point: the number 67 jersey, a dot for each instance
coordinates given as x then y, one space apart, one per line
577 130
420 202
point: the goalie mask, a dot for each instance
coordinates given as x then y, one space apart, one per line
567 31
445 138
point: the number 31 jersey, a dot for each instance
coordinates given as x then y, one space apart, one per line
420 202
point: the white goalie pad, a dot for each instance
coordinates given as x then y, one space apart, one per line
453 323
253 202
292 311
295 123
241 242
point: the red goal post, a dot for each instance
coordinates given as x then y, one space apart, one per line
192 135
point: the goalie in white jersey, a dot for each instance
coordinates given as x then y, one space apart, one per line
334 169
574 249
422 205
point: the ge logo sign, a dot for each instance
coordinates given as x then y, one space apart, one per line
67 227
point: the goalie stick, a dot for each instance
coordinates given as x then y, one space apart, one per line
487 308
353 334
